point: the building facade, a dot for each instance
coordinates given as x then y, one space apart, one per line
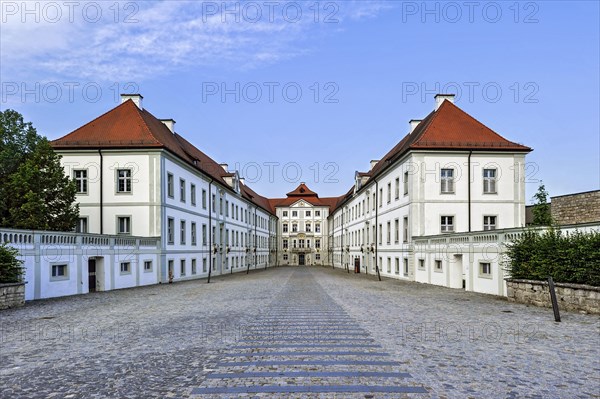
136 176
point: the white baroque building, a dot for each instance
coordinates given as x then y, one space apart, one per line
136 176
436 209
450 174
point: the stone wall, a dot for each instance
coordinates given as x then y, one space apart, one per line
12 295
576 208
570 297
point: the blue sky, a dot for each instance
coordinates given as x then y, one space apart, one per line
528 70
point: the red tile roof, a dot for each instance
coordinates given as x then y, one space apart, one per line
447 128
127 126
302 192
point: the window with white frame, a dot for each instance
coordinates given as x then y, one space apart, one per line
397 188
204 269
308 227
397 265
182 190
147 266
317 228
405 181
389 192
193 194
421 264
447 224
489 181
405 229
182 267
396 231
389 233
285 243
447 181
489 223
294 214
193 231
82 225
389 265
170 230
182 232
438 266
203 199
285 256
485 269
285 214
124 225
294 228
318 213
204 235
59 272
170 186
318 243
308 213
405 267
125 267
194 271
285 227
123 180
317 256
81 180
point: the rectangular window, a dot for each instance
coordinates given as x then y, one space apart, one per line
380 234
489 181
405 229
285 257
285 227
227 208
447 224
193 194
182 267
125 267
389 233
317 228
397 266
81 180
489 223
405 267
389 192
447 181
294 228
308 227
182 190
82 225
59 272
170 187
285 213
214 203
285 243
396 231
397 188
182 232
438 266
318 213
294 214
194 242
204 269
148 266
318 243
124 225
405 183
317 256
307 213
389 265
194 266
485 269
204 235
123 180
421 264
203 199
170 230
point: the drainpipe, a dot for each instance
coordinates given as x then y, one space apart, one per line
469 187
210 244
101 198
376 238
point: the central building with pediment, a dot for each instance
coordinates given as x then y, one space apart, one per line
303 227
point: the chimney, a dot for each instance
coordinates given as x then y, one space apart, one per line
224 166
439 99
170 123
413 124
137 99
373 163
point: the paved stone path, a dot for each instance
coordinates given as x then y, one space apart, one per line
306 343
293 333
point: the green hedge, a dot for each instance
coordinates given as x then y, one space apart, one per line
567 258
11 269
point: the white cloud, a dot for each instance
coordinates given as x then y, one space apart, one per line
166 36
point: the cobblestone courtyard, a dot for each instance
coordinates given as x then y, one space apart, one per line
295 332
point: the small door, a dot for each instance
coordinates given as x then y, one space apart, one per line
356 265
92 275
301 259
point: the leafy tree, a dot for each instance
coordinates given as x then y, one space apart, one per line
34 191
541 210
11 269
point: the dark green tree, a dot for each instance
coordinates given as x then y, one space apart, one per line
541 208
11 268
35 193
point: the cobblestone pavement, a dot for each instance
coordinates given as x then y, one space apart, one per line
295 332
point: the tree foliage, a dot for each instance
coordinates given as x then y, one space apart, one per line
567 258
34 191
11 268
542 215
